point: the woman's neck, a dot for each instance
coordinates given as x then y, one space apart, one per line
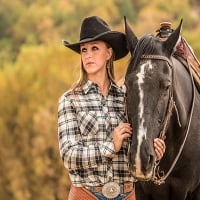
103 83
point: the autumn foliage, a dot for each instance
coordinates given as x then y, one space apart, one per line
35 69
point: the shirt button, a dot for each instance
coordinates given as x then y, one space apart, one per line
105 109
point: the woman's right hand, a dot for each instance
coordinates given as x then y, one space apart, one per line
121 132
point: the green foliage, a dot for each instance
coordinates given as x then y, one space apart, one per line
36 69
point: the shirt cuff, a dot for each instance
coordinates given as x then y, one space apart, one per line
107 149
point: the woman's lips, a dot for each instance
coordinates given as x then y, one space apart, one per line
89 63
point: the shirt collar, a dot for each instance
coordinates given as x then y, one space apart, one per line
88 86
91 85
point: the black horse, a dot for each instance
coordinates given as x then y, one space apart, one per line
162 101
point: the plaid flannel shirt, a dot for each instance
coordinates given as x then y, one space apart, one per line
86 121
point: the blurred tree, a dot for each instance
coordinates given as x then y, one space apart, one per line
9 13
28 123
126 8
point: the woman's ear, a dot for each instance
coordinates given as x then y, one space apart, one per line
110 52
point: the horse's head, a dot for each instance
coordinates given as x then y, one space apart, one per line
149 81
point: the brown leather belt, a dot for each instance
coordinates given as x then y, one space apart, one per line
124 188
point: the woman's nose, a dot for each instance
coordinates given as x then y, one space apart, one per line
88 54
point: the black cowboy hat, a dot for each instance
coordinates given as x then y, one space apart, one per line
94 28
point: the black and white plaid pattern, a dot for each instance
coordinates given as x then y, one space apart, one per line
86 121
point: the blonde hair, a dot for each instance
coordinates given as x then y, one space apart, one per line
83 74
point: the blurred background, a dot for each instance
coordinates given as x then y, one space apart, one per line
35 69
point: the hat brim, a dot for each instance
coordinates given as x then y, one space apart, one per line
116 40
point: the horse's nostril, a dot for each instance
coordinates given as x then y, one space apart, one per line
151 159
149 163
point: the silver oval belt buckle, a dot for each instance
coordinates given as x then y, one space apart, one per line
111 190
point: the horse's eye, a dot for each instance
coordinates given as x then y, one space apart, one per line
165 84
167 87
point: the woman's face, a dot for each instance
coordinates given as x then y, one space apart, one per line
94 56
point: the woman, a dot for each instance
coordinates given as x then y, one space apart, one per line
93 129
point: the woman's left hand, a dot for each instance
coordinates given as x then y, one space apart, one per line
159 146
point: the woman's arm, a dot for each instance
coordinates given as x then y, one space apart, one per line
74 153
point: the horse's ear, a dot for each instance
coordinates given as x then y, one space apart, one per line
130 37
170 43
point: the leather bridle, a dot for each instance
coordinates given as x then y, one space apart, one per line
159 177
171 103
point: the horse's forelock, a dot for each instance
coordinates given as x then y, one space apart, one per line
146 45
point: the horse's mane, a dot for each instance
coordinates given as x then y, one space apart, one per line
146 45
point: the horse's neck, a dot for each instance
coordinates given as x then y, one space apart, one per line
182 90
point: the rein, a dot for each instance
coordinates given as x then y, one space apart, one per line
157 179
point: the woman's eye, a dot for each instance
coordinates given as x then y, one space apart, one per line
83 50
95 48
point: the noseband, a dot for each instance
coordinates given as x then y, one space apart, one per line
159 177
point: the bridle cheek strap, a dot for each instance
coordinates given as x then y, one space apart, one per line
167 118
